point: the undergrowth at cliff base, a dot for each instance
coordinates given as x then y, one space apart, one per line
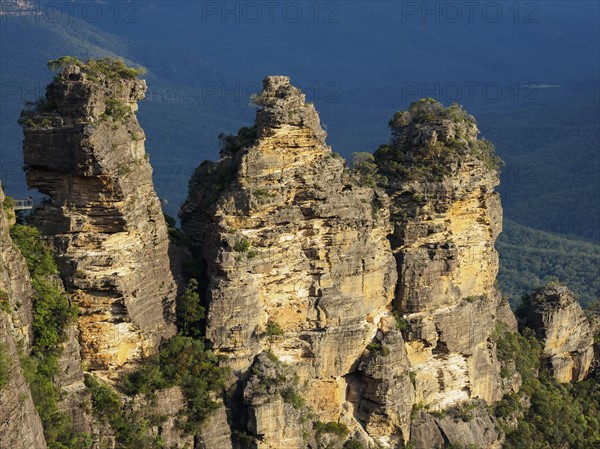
560 415
184 362
131 428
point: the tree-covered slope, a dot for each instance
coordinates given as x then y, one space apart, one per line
529 258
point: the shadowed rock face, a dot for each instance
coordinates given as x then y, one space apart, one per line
293 246
15 282
560 323
20 425
84 149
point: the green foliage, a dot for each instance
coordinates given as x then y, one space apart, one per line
400 160
51 308
353 444
378 349
333 428
176 235
51 313
8 206
108 68
232 144
292 397
39 370
4 302
117 110
190 311
273 329
4 365
242 246
401 323
530 258
363 165
182 361
560 415
412 375
131 428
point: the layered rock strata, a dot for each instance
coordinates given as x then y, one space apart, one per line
84 149
16 290
559 321
446 218
297 257
20 424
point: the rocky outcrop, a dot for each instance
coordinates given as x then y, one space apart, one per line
20 424
446 218
469 425
16 291
385 393
556 316
85 149
297 256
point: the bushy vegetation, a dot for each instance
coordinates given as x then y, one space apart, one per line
329 429
184 362
51 313
401 323
231 144
108 68
51 308
353 444
131 428
8 206
4 365
176 235
281 378
401 160
117 110
560 415
273 329
365 169
190 311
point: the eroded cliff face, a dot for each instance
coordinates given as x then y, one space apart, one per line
85 149
566 333
20 425
298 261
15 283
446 218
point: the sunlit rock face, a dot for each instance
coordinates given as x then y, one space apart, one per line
297 256
84 149
559 321
446 218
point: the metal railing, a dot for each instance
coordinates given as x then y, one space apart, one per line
23 204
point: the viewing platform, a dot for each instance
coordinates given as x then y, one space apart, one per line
23 204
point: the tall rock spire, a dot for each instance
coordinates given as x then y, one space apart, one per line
446 218
84 149
297 256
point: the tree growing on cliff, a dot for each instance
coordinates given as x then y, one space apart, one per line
190 311
109 68
365 168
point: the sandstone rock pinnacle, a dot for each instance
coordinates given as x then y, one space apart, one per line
84 149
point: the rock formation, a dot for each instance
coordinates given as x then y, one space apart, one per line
85 149
556 316
446 218
298 261
15 283
20 425
348 313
